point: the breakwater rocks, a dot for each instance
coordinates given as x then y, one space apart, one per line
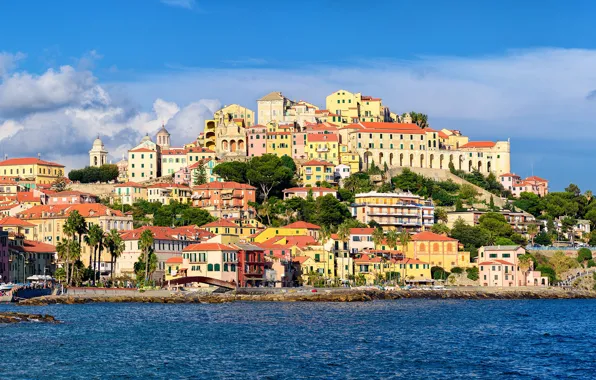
11 317
320 296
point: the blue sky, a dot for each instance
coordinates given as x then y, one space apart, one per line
493 69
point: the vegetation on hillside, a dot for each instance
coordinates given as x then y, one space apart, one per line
92 174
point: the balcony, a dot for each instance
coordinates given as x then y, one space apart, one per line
322 149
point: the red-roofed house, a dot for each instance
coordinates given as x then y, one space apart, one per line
437 250
28 258
71 197
34 169
130 192
225 199
500 266
168 243
214 260
165 193
324 146
516 185
313 172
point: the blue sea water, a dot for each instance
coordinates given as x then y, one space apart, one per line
412 339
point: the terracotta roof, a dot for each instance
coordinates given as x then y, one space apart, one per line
130 184
317 163
27 196
191 233
209 247
224 185
536 179
301 224
28 161
168 185
430 236
443 135
199 150
173 151
368 259
410 261
221 223
497 262
387 125
300 259
12 221
509 175
478 144
62 211
319 137
34 247
174 260
361 231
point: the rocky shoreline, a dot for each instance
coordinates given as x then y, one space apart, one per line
322 296
12 317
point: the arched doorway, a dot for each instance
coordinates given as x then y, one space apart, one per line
380 159
430 160
441 161
412 160
367 159
390 159
224 145
233 146
488 167
422 160
240 144
470 166
480 166
401 159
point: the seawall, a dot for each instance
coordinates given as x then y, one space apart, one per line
324 296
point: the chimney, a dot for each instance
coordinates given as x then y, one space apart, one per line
39 156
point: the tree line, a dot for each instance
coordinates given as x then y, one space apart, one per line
91 174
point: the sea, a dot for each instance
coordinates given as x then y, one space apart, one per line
410 339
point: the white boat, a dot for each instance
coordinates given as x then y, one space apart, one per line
6 287
6 292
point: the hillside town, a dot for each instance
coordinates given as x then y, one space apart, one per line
352 194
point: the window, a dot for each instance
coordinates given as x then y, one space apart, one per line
225 267
217 268
209 267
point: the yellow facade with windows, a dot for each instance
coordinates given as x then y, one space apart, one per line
324 147
314 171
279 143
347 157
42 172
236 111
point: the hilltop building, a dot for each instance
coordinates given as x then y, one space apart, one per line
98 155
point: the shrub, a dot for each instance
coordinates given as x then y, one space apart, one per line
457 270
472 273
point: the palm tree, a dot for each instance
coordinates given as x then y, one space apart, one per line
525 263
589 195
115 246
324 235
62 249
69 230
94 240
378 236
145 245
532 232
265 210
343 235
74 255
78 224
392 238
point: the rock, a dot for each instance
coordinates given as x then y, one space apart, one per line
12 317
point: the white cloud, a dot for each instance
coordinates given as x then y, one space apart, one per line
187 4
9 61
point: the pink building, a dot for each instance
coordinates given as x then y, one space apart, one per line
499 266
225 199
517 185
257 140
71 197
299 145
182 176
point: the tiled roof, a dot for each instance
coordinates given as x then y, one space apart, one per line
321 137
368 259
361 231
34 247
221 223
86 210
174 260
168 185
27 196
478 144
69 193
28 161
536 179
301 224
12 221
300 259
430 236
141 150
173 151
317 163
209 247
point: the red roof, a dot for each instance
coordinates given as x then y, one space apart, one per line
320 137
167 185
209 247
361 231
27 196
478 144
12 221
174 151
317 163
53 211
498 262
69 193
28 161
430 236
200 150
300 259
410 261
174 260
224 185
191 233
35 247
368 259
536 179
301 224
221 223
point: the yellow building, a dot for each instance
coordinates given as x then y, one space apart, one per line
130 192
42 172
376 267
231 232
172 160
293 229
437 250
273 107
237 112
49 221
143 161
209 137
279 143
323 146
196 154
18 226
354 107
314 171
350 158
165 193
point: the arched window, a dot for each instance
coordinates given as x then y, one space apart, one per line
449 247
233 267
209 267
436 247
225 267
217 267
422 247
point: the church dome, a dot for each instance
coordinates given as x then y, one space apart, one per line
97 143
163 131
146 138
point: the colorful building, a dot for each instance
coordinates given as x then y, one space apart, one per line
292 229
71 197
130 192
303 192
256 136
500 266
143 161
236 111
314 171
394 210
323 147
172 160
437 250
251 265
165 193
213 260
32 169
225 199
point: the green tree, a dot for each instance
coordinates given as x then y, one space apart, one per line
267 173
584 255
472 273
289 163
234 171
440 228
468 194
547 271
330 211
440 215
199 175
496 223
404 238
95 240
146 247
420 119
504 241
562 263
378 236
115 246
543 239
532 232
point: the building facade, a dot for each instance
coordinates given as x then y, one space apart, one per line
98 155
